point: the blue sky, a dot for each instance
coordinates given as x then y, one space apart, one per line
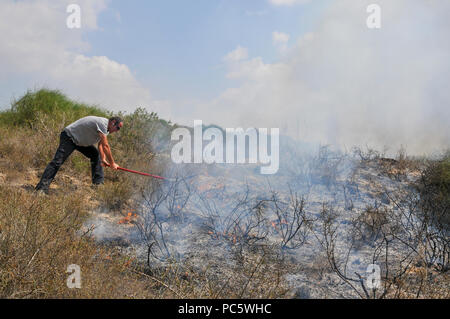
176 47
312 68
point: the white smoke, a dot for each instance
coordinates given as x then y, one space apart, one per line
345 84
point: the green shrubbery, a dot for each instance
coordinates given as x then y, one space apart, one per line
48 107
30 135
31 127
434 188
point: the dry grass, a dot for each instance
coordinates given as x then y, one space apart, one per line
255 275
40 236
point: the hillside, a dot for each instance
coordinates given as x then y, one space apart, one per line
216 231
41 235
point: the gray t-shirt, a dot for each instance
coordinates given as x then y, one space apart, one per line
84 132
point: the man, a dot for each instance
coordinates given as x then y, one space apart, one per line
82 135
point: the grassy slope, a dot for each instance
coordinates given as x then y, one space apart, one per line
40 235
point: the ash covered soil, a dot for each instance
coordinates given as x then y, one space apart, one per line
318 223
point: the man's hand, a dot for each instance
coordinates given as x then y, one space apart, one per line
105 163
113 165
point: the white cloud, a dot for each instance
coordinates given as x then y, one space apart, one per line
280 40
280 37
288 2
109 83
36 44
346 84
238 54
249 69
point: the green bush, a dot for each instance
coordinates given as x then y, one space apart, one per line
30 132
144 131
434 188
46 107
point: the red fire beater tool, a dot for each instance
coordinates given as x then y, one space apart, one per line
141 173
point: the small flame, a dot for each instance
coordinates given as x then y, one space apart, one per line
128 219
127 264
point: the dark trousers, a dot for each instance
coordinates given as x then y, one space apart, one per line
65 148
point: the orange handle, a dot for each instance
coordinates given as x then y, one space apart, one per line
137 172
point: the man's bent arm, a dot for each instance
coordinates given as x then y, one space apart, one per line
102 153
105 150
